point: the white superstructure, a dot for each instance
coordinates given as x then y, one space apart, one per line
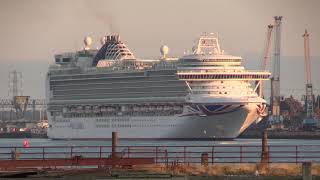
204 95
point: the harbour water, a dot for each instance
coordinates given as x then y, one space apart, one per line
48 142
238 150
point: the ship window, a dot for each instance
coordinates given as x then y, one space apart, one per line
221 81
57 60
66 59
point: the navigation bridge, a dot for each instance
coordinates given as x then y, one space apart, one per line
219 81
204 74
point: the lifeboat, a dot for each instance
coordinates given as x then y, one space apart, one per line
159 108
79 109
64 110
144 108
152 108
176 108
96 109
72 109
136 108
88 109
103 109
166 108
110 109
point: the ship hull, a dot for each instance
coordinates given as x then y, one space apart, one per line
190 125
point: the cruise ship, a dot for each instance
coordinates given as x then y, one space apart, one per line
206 94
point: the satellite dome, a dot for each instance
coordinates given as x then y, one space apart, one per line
164 50
87 41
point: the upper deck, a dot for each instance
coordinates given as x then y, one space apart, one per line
207 52
207 61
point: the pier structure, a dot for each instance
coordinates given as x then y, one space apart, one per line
115 157
101 156
13 110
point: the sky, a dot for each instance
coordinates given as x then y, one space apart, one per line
32 31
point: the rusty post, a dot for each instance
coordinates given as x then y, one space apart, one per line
156 154
240 153
204 159
306 171
128 152
114 144
43 153
212 155
265 149
166 157
184 154
296 154
71 152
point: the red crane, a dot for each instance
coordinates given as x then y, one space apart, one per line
309 92
266 56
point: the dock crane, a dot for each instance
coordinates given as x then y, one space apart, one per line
267 47
275 118
309 120
266 56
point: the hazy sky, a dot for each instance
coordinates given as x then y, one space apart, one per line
32 31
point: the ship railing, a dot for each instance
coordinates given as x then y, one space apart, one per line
224 71
170 154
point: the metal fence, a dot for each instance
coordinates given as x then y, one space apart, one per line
170 154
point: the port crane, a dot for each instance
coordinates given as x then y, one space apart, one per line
275 80
309 91
266 56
